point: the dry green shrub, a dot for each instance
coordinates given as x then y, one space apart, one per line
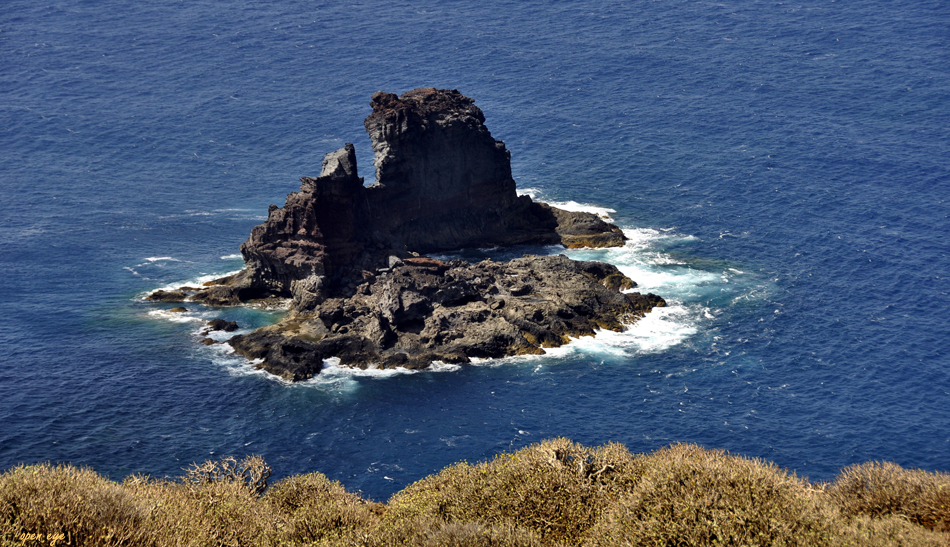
883 488
556 488
478 535
553 493
221 513
312 508
688 495
423 531
252 472
42 504
889 531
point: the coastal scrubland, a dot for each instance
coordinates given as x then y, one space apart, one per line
549 494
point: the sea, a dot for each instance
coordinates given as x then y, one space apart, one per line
781 169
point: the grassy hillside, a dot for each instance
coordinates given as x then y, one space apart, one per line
552 493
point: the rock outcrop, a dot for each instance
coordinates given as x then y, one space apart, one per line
425 310
442 183
345 253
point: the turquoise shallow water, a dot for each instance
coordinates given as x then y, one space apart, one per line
781 169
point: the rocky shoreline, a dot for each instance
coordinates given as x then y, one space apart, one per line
424 310
352 257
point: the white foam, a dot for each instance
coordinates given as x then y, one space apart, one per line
162 258
219 335
194 282
514 359
646 237
532 193
332 367
640 237
537 194
680 281
31 231
453 441
661 329
602 212
231 257
332 377
658 331
176 317
439 366
643 259
236 365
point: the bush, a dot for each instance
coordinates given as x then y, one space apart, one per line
891 531
223 513
312 508
881 488
426 532
252 472
552 493
469 534
557 489
688 495
42 504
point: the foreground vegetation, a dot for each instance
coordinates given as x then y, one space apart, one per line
553 493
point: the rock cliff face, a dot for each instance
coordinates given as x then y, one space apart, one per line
344 253
442 183
315 233
449 180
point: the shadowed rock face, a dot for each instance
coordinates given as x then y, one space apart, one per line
317 231
446 176
443 183
348 255
432 145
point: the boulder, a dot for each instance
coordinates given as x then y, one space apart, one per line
221 324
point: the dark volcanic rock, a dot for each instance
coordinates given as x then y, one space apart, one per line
220 292
426 310
315 232
221 324
442 183
349 255
579 229
442 180
167 296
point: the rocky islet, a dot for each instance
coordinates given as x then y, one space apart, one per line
351 258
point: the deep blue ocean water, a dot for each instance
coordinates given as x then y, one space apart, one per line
782 169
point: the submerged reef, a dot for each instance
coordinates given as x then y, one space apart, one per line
351 258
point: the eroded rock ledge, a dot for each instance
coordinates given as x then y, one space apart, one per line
348 255
425 310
